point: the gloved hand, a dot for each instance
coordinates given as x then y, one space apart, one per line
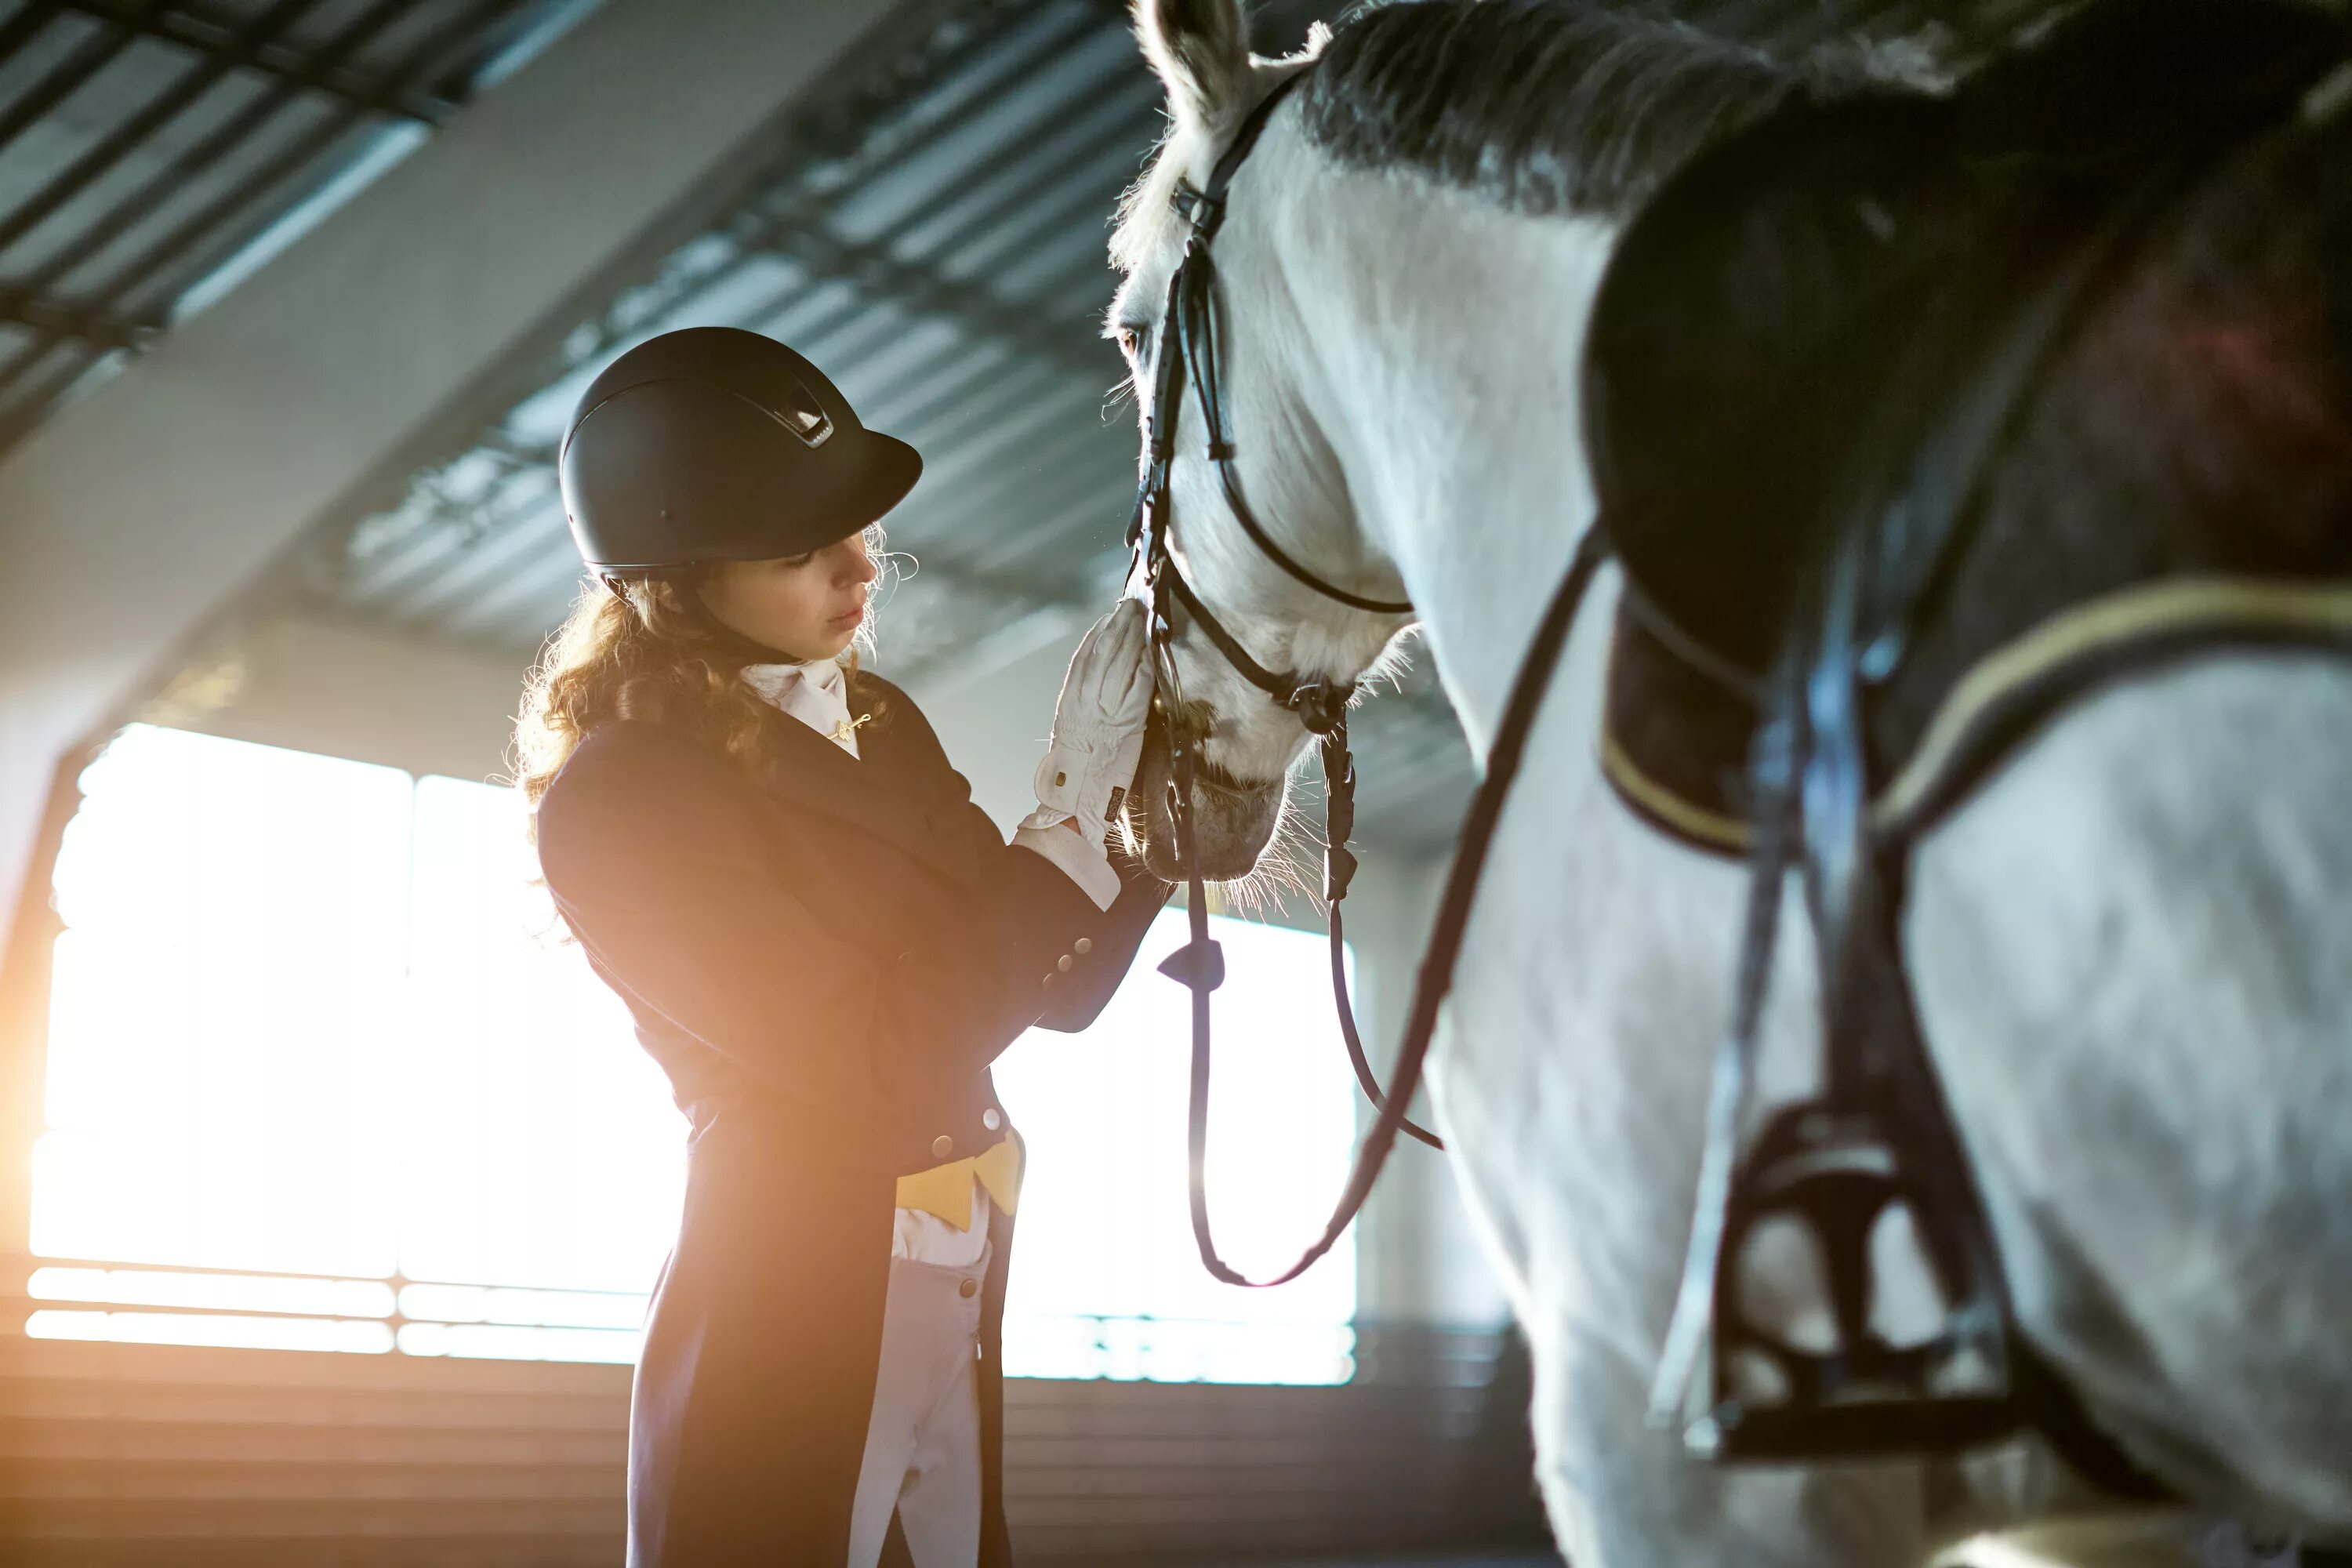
1098 736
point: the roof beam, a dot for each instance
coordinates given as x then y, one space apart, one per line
65 318
212 40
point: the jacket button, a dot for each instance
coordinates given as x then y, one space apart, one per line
943 1146
989 1119
1063 964
1082 946
968 1288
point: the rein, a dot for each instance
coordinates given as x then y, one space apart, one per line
1188 350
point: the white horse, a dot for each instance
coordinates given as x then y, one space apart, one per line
2132 948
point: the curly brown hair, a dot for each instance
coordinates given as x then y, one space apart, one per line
638 650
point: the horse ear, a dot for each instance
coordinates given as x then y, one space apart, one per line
1201 49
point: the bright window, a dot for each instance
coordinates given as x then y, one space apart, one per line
310 1017
1107 1281
321 1077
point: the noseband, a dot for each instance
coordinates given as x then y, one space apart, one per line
1188 351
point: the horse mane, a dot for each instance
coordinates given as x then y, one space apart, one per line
1545 107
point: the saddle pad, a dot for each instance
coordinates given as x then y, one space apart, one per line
1675 745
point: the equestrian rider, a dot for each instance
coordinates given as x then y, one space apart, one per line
825 943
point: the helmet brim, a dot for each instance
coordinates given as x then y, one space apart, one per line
893 469
886 472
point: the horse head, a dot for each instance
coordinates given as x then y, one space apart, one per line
1243 741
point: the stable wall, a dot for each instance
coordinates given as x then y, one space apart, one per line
138 1455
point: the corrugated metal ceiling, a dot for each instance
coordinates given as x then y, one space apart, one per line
151 153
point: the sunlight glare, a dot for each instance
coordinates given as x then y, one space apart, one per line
313 1017
1104 1232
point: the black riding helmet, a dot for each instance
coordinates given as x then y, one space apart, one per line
716 444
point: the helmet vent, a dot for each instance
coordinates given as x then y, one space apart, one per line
799 411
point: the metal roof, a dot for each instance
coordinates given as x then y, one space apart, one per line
153 154
931 232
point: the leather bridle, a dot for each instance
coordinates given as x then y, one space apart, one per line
1187 352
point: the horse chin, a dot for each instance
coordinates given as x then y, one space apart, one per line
1232 820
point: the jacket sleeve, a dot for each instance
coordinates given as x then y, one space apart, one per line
1096 975
1080 991
659 868
1086 980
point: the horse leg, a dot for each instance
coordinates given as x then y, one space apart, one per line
1620 1493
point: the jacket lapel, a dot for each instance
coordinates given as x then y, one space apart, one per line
877 791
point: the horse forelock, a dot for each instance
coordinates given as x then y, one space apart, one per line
1544 106
1147 211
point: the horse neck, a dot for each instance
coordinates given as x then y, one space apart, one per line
1447 337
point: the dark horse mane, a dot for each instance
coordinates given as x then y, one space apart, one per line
1542 106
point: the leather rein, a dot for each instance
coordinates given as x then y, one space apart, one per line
1187 353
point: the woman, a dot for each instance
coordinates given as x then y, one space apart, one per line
825 943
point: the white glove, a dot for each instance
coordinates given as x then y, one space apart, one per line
1098 726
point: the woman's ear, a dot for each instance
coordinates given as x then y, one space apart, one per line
1201 49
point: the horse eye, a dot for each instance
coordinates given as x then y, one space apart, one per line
1130 343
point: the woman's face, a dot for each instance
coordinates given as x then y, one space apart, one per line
809 606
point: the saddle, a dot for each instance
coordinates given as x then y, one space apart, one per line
1813 341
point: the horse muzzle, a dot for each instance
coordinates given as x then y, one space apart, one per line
1232 820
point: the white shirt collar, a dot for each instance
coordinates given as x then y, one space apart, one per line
816 693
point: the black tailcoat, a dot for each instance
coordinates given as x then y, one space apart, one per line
824 955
